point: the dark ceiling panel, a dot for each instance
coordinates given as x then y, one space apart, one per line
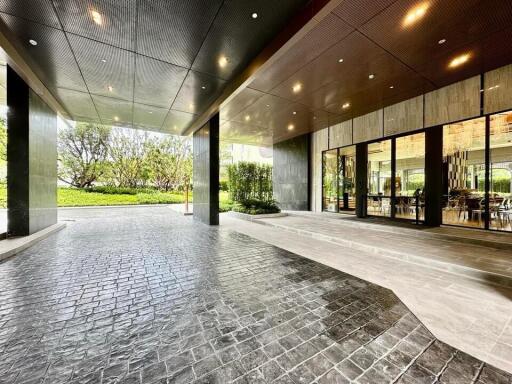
321 37
174 30
40 11
231 131
52 58
358 12
239 37
156 82
197 92
114 111
459 22
177 121
242 100
117 70
78 104
145 116
117 25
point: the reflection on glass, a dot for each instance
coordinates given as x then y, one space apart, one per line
379 178
500 172
347 179
464 173
330 181
410 176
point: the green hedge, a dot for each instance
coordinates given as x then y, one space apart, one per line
250 181
256 207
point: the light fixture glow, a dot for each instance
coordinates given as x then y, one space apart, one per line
103 60
340 60
32 42
247 117
371 76
96 17
291 127
116 118
442 41
294 112
268 105
223 61
110 88
459 60
203 87
345 106
415 14
254 15
191 106
391 86
297 88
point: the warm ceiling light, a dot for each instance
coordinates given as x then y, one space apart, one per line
294 112
268 105
110 88
391 86
254 15
345 106
442 41
247 117
371 76
415 14
291 127
191 106
223 61
297 88
96 17
203 87
340 60
103 60
116 118
459 60
32 42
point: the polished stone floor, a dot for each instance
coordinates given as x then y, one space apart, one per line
131 295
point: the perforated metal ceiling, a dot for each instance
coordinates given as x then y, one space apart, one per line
371 38
150 64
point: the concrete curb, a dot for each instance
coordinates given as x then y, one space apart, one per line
254 218
12 246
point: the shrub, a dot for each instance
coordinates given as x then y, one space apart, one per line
110 190
256 207
250 181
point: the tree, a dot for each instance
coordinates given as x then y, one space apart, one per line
170 160
3 141
83 151
128 158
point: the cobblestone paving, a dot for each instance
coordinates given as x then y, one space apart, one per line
143 295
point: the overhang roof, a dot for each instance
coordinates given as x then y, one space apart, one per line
372 38
151 64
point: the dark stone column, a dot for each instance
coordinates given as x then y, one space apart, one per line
361 179
31 159
290 173
206 172
433 175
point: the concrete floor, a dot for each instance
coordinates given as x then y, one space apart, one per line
470 314
132 295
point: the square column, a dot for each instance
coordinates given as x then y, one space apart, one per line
361 179
206 172
31 159
433 176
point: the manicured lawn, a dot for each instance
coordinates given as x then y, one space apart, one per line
72 197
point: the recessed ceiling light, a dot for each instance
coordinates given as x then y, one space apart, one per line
96 17
247 117
345 106
203 87
150 112
254 15
297 88
291 127
191 106
116 118
371 76
415 14
442 41
110 88
32 42
294 112
391 86
268 105
103 60
223 61
459 60
340 60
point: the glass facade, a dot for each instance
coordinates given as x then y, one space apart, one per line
476 180
338 180
379 178
410 176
